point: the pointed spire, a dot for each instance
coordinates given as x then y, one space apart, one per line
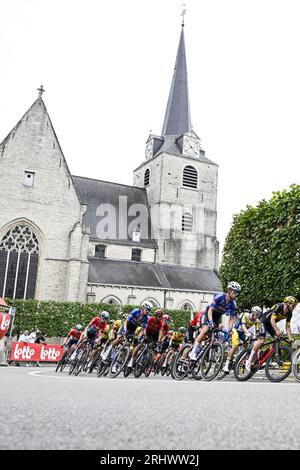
177 118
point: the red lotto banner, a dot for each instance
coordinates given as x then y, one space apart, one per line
4 323
36 352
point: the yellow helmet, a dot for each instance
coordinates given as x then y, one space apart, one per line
292 300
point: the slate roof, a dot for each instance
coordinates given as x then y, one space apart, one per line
95 192
177 118
139 274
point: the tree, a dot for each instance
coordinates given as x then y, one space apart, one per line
262 250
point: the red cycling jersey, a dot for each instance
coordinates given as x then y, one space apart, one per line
74 334
153 326
97 323
165 329
196 319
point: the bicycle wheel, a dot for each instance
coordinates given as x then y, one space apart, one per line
73 364
119 362
94 361
81 363
211 361
101 368
61 362
140 365
149 365
240 372
279 364
296 365
181 366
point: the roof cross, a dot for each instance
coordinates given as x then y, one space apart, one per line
183 14
41 91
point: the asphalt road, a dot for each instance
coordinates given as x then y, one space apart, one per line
44 410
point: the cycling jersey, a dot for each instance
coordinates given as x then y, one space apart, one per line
137 318
116 326
74 334
196 319
221 306
177 338
153 326
245 319
97 324
165 330
280 312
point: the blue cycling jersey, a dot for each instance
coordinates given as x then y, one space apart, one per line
221 306
136 318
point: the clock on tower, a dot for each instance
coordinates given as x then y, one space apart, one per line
191 146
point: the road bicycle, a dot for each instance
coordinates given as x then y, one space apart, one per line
120 357
275 358
145 359
296 365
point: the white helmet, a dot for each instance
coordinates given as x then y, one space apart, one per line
234 286
257 310
79 327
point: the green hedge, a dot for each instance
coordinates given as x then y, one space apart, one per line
57 318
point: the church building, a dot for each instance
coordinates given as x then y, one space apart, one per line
73 238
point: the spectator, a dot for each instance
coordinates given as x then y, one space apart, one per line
24 337
39 339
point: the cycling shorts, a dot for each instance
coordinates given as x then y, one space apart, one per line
237 336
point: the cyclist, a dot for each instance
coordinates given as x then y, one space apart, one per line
138 317
94 329
223 303
194 326
153 333
176 340
240 332
281 311
166 320
73 337
115 328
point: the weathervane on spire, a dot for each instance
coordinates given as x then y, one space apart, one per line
41 91
183 14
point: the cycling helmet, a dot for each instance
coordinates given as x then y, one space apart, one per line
158 313
166 318
182 330
257 311
104 315
291 300
234 286
170 332
125 316
147 307
79 327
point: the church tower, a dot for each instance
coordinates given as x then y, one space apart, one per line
181 182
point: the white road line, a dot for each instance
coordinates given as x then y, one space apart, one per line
136 381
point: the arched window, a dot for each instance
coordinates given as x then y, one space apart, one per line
111 300
19 256
147 177
190 177
187 306
187 222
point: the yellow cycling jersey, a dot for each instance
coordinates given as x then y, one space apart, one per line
105 332
117 326
177 338
279 312
245 319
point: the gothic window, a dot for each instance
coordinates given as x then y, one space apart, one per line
147 177
19 256
190 177
100 251
187 222
136 254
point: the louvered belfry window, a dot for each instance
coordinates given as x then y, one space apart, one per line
187 222
147 177
190 177
19 257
